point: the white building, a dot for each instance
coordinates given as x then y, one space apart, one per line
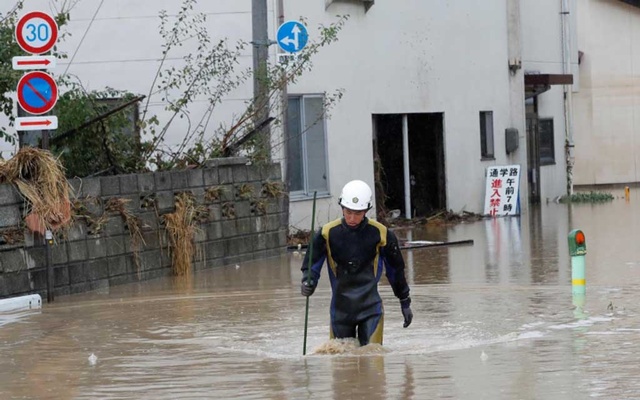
607 117
449 66
450 77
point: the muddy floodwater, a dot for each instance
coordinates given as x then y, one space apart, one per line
493 320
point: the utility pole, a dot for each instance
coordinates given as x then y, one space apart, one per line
260 74
284 105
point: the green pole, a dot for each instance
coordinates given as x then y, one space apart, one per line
310 247
577 251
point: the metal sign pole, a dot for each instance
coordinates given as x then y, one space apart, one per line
48 238
45 139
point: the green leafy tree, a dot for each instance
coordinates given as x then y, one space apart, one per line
209 74
104 145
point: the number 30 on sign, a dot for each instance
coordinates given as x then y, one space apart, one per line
36 32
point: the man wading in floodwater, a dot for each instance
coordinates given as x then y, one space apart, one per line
357 250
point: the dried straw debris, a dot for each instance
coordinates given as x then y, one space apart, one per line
39 177
181 229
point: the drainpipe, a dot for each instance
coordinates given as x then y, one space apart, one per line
405 162
566 68
517 113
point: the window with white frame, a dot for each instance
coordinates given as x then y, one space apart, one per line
486 135
306 146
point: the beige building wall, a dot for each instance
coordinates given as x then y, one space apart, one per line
449 57
607 108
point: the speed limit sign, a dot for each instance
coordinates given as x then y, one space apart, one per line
36 32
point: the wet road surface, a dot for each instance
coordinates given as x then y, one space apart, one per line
494 320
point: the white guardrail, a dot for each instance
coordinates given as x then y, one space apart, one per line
22 303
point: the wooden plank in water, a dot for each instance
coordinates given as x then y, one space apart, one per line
417 244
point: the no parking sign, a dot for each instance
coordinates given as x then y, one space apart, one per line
37 92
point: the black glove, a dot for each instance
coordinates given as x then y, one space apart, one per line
307 288
405 306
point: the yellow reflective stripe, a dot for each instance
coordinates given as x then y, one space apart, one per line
578 282
383 242
376 337
325 234
383 231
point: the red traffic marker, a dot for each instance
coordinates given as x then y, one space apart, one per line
36 32
48 122
33 62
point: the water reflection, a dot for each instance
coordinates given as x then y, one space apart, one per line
371 378
493 320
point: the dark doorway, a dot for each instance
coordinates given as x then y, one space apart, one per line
426 163
533 150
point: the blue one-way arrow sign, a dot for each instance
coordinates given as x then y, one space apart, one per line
292 36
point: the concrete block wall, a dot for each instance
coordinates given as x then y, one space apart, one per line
243 223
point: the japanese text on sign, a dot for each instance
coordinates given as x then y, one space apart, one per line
501 197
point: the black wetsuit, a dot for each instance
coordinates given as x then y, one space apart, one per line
356 257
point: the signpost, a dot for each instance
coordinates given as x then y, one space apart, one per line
48 122
292 36
37 33
33 62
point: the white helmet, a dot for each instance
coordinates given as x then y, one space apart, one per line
356 195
